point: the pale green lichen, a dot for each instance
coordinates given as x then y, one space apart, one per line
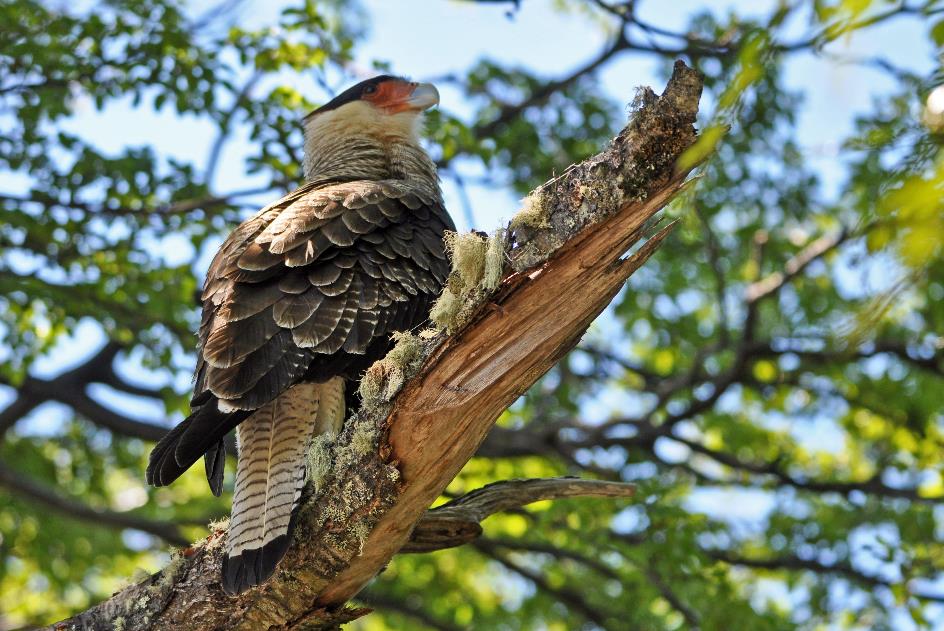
595 192
385 377
396 377
534 212
494 260
135 608
364 438
143 601
218 528
477 266
428 334
353 494
445 309
376 383
360 531
407 352
318 462
467 250
168 576
372 384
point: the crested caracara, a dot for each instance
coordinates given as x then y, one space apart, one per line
300 300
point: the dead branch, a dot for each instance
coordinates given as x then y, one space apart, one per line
457 522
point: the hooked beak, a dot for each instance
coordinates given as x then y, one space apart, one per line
423 97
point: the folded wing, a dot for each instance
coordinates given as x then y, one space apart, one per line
309 288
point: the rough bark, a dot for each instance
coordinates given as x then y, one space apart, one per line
435 404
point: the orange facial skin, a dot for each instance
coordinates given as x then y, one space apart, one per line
392 96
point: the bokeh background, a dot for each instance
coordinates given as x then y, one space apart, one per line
772 379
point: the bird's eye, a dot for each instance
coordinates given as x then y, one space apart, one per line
370 89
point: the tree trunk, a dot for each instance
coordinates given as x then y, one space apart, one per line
429 406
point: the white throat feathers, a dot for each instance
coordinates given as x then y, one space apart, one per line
360 141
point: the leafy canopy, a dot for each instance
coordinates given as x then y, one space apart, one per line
779 358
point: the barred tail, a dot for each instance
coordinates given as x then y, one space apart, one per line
270 475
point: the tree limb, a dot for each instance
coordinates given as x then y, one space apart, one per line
564 594
457 522
397 454
405 608
33 491
559 553
511 112
771 284
873 485
665 589
70 388
15 410
795 563
206 203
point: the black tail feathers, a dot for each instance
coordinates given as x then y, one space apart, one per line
252 567
200 434
255 567
162 467
214 461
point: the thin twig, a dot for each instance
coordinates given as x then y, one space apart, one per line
571 598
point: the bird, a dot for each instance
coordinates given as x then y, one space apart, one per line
300 300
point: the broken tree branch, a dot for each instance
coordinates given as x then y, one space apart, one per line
429 405
457 522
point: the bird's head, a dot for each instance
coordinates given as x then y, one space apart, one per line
383 112
384 95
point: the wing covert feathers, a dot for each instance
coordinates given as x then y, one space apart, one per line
311 281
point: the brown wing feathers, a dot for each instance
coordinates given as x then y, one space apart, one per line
309 288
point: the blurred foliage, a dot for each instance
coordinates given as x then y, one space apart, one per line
771 379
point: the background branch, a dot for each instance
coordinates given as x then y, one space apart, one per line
31 490
457 522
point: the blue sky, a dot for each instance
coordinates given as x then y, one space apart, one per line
427 39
